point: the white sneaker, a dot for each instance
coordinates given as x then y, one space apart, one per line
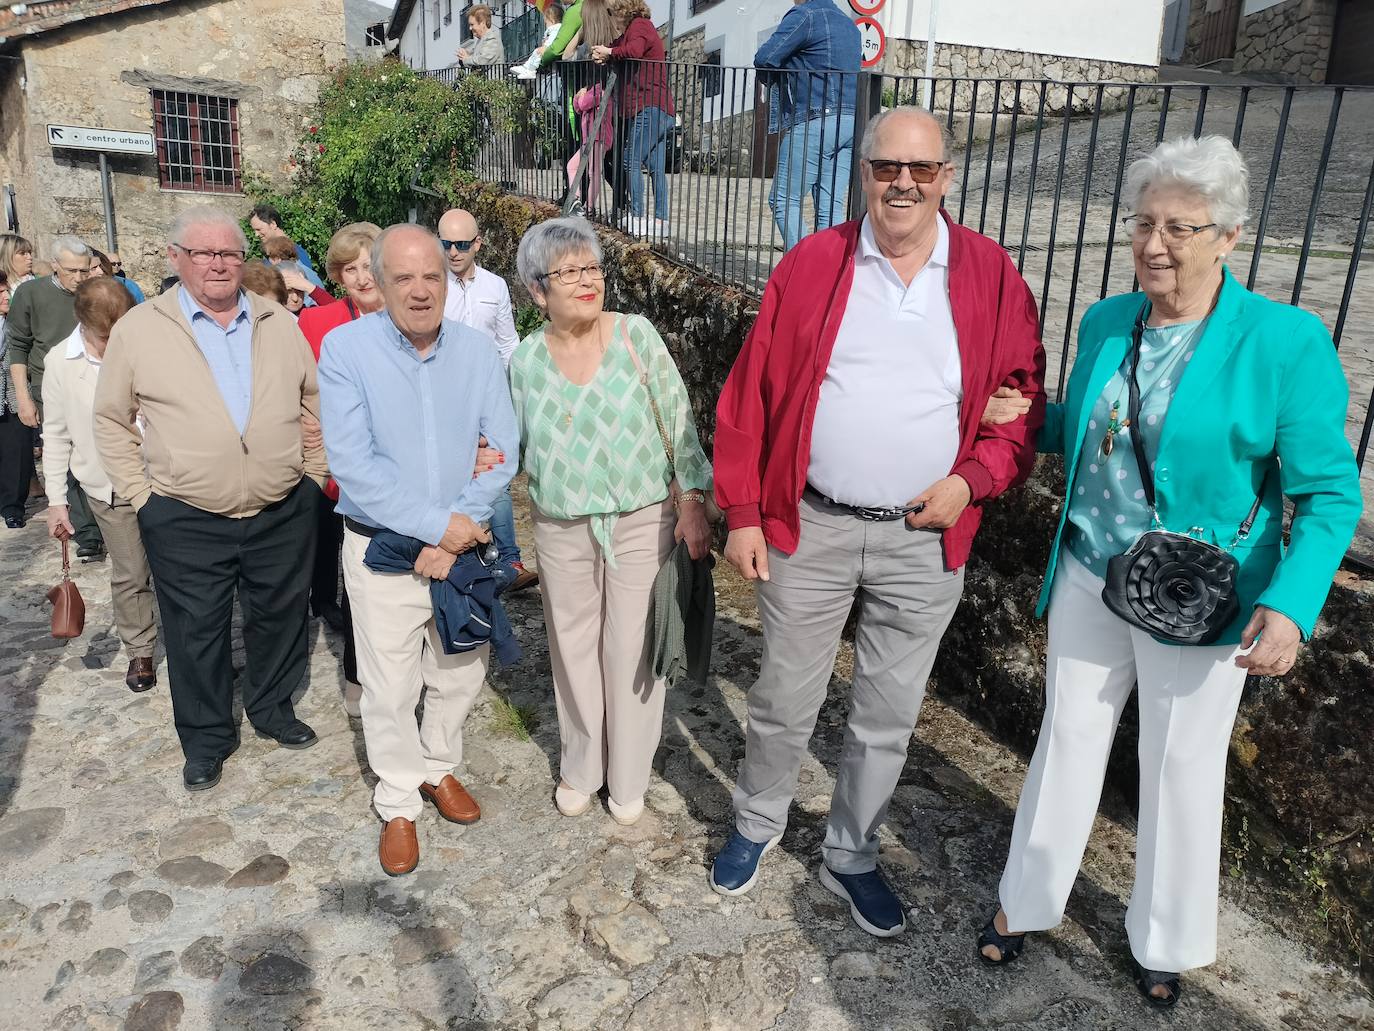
638 225
571 802
353 697
625 815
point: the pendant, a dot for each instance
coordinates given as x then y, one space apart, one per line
1107 443
567 419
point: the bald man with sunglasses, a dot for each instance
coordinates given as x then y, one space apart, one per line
867 373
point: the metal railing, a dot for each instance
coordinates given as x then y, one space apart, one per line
1040 167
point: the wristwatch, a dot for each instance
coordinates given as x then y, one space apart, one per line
699 496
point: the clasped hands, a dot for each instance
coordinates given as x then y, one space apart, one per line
462 534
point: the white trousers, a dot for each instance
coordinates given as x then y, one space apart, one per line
401 658
1188 698
610 707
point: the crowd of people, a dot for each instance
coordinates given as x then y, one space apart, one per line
227 450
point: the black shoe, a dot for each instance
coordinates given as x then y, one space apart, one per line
332 616
14 522
90 552
200 774
1148 980
296 735
1008 946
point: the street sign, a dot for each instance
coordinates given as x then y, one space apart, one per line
111 141
867 7
874 40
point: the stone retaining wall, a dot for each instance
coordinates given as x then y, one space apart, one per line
1301 786
1289 41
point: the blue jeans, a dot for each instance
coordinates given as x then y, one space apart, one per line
814 157
648 142
503 528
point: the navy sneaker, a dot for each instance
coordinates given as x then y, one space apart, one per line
871 902
736 866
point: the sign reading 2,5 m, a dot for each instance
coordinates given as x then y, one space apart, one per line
874 40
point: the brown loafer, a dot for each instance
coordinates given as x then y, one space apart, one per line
452 800
524 579
399 848
142 675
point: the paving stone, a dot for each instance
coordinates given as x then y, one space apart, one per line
633 936
78 918
149 907
204 958
112 899
264 870
192 872
859 964
26 831
12 913
61 979
104 962
193 836
275 974
42 915
124 878
156 1011
422 945
579 1002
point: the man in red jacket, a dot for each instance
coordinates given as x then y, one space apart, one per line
850 458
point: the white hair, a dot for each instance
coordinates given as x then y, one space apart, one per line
378 265
1209 166
205 215
545 244
910 111
69 245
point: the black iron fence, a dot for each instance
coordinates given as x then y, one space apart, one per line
1039 168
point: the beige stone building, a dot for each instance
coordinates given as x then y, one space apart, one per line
1298 41
223 86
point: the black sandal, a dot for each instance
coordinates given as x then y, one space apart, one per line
1008 945
1148 980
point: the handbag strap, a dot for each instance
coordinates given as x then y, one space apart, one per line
653 403
1138 441
66 562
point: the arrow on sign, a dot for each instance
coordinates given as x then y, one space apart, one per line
54 134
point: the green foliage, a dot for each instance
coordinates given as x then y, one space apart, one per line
528 318
378 128
517 721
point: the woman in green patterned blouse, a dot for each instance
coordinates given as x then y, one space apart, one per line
608 506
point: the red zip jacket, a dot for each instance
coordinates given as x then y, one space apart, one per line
766 411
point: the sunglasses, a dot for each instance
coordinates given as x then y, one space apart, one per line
463 246
889 171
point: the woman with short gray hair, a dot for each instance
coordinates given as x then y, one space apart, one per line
608 500
1194 408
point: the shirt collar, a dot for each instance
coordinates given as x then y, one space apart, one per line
470 279
76 344
869 249
399 339
193 310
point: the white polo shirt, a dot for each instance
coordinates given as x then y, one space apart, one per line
887 422
483 302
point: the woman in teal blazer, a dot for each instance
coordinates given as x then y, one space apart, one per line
1240 396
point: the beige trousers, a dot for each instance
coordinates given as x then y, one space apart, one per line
610 709
400 658
131 585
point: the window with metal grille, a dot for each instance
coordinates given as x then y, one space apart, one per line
197 142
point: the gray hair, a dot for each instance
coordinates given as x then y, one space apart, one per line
69 245
545 244
910 110
378 271
205 215
1209 166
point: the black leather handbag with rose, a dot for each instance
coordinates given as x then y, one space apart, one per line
1172 585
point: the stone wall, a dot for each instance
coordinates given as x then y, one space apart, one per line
271 54
1290 42
1197 17
1301 789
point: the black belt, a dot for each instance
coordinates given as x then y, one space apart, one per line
872 515
361 528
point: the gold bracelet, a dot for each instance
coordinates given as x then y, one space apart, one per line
699 496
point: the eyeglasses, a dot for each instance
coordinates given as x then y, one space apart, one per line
204 257
571 275
1141 229
886 171
463 246
76 271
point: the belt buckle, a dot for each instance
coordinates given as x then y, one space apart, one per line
875 515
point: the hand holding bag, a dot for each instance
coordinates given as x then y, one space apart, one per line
68 610
1172 585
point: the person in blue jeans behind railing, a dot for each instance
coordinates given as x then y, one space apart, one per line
810 64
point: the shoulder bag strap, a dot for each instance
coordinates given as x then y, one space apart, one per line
1138 441
653 403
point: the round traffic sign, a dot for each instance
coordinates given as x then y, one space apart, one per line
867 7
874 40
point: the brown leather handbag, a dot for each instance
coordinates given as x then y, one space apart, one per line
68 610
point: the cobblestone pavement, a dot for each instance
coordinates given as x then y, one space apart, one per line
126 902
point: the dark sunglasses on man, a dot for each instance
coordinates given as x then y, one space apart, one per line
886 171
463 245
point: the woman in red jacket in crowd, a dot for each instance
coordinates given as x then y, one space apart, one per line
348 263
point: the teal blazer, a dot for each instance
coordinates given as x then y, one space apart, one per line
1264 390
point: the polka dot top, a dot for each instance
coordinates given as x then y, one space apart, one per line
1107 509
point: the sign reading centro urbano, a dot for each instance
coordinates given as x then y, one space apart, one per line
112 141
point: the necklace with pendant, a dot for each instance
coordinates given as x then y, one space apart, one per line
571 402
1114 426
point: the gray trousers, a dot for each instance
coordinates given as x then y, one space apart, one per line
131 586
907 599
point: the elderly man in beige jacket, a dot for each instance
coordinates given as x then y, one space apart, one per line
224 484
73 369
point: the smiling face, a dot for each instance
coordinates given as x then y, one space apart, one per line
356 278
1179 276
414 287
578 302
904 209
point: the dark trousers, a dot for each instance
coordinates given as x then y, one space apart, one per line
324 581
16 464
198 561
87 534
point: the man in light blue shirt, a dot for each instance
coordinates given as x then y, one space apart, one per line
405 395
228 350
